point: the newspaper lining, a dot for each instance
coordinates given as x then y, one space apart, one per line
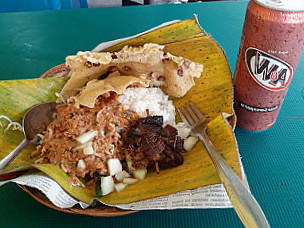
212 196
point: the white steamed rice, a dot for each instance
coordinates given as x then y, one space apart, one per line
158 103
141 99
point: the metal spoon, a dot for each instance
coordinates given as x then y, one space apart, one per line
34 122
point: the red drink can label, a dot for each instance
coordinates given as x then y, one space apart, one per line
271 45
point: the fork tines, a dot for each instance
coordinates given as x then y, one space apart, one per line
192 115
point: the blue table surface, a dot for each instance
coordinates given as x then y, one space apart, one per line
32 43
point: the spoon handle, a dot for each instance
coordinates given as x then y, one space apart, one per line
12 155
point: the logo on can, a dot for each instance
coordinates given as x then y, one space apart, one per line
267 70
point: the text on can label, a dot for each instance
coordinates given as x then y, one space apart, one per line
267 70
258 109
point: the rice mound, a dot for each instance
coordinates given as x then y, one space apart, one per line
158 103
153 99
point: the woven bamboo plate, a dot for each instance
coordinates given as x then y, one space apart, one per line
99 210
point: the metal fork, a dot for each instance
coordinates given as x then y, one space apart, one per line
245 205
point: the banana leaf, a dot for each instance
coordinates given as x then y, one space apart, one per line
212 94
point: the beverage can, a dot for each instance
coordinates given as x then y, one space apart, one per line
271 45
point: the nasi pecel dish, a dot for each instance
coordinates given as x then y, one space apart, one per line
113 122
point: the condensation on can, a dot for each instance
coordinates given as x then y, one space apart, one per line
271 45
